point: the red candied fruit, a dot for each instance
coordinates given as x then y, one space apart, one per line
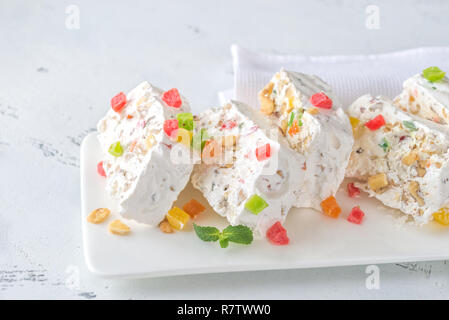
375 123
321 100
118 102
356 215
172 98
100 169
277 234
263 152
229 125
353 191
171 128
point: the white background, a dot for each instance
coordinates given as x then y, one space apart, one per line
55 83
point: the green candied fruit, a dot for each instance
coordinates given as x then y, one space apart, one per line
116 149
290 121
409 125
185 120
255 204
433 74
384 145
200 139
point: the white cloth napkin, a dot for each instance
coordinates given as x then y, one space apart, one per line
350 76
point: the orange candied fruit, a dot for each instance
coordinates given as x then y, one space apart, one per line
330 207
442 216
294 129
177 218
193 208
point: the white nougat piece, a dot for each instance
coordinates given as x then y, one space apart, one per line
404 163
425 99
234 174
323 137
144 179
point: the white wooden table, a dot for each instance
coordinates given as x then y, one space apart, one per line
56 81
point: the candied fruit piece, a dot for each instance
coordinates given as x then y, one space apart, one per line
172 98
330 207
353 191
255 204
177 218
193 208
409 125
433 74
116 149
171 128
356 215
354 122
321 100
184 137
118 102
263 152
294 129
185 120
375 123
100 169
277 234
229 125
442 216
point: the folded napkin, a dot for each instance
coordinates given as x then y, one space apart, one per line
350 76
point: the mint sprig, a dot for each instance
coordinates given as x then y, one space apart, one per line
238 234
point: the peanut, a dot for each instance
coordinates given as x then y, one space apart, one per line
410 158
118 227
266 103
98 215
378 182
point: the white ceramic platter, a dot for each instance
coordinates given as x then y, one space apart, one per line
316 240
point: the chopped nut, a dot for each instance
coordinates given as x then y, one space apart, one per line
378 181
118 227
142 100
283 127
358 131
149 142
98 215
313 111
413 188
165 227
229 141
266 103
410 158
421 172
438 165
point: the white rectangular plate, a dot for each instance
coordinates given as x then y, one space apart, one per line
315 240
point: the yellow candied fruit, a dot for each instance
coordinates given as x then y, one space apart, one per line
177 218
184 136
354 122
442 216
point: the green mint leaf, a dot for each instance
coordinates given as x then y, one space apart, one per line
207 233
238 234
224 242
409 125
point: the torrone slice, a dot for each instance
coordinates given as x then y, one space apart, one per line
137 141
